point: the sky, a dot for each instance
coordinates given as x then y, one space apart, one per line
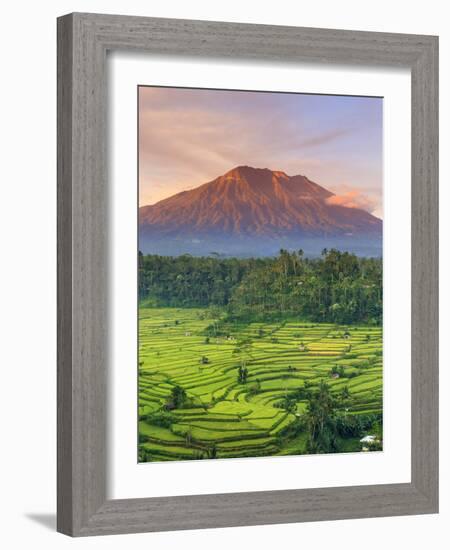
188 137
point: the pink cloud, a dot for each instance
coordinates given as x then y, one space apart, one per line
353 199
188 137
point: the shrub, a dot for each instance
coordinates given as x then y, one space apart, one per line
162 419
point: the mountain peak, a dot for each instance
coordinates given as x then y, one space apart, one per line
249 171
252 203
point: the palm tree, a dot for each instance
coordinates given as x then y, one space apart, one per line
243 348
321 421
345 393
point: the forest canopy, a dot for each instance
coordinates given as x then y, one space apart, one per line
338 287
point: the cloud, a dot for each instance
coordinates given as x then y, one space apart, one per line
353 199
188 137
326 137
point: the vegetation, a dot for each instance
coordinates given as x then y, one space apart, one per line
216 385
254 357
336 288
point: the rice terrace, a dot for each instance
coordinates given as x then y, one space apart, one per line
260 274
213 383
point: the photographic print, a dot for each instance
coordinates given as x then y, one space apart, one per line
260 274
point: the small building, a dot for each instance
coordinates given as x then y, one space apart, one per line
368 439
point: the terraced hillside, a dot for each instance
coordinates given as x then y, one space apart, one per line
234 380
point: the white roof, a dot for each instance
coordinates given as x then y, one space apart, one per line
367 439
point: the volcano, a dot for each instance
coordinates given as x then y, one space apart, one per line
255 212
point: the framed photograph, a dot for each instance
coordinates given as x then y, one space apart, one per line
247 274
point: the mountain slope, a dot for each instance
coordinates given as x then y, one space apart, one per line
252 204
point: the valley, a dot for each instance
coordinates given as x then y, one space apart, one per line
194 402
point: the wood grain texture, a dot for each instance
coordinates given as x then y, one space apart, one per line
83 41
425 272
64 250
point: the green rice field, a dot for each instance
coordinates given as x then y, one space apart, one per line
223 416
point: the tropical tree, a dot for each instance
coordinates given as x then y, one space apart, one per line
177 398
345 393
338 287
321 421
243 349
242 374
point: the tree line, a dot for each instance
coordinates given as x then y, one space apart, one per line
326 421
338 287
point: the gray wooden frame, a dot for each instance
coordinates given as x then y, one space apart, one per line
83 41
